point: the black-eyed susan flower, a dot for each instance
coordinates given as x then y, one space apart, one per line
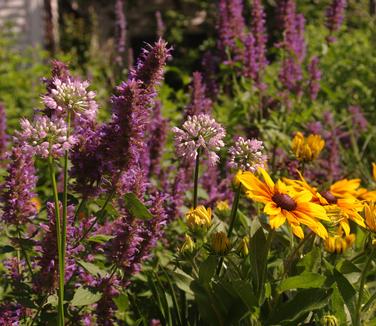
374 171
220 243
285 203
199 217
307 149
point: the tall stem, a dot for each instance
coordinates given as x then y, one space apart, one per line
361 288
59 243
195 186
65 199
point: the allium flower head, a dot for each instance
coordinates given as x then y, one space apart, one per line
199 132
71 95
247 155
46 136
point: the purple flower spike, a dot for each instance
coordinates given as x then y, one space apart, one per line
18 192
121 30
334 17
258 29
3 133
314 77
199 102
250 59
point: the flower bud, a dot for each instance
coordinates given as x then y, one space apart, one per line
307 149
220 243
198 217
329 320
243 248
222 206
188 246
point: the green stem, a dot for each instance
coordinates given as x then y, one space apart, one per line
234 210
268 245
25 254
78 210
361 288
65 200
195 186
59 242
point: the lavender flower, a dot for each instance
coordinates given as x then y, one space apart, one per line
315 77
3 133
121 30
161 28
359 121
19 187
258 30
199 132
247 155
231 25
45 136
71 95
199 102
251 67
334 17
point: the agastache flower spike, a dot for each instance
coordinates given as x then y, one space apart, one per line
199 132
199 102
3 134
246 155
315 77
121 30
259 33
45 136
334 17
18 192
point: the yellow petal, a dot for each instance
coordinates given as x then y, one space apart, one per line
272 209
276 221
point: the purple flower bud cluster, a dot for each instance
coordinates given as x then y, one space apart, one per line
18 189
251 67
3 133
11 313
231 25
45 137
258 30
199 103
334 17
314 77
294 45
199 132
121 30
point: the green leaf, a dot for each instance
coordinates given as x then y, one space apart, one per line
311 261
136 208
5 249
84 297
100 238
346 290
92 269
303 281
182 280
207 269
305 301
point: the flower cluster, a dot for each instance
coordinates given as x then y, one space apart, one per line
199 132
247 155
334 17
46 137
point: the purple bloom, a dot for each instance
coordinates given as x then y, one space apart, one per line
314 77
160 24
11 314
334 17
45 137
121 30
199 102
199 132
18 190
359 121
247 155
3 133
295 46
58 70
259 33
209 67
231 25
251 67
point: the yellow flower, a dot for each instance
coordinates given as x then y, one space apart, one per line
370 215
220 243
236 180
307 149
284 203
338 243
329 320
339 202
365 194
374 171
188 245
243 248
222 206
37 203
199 217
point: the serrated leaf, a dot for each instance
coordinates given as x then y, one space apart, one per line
303 281
136 208
92 269
84 297
100 238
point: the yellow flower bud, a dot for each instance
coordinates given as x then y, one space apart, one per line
222 206
220 243
370 216
338 244
199 217
374 171
188 246
329 320
307 149
243 247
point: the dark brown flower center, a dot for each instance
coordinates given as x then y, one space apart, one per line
331 199
284 201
